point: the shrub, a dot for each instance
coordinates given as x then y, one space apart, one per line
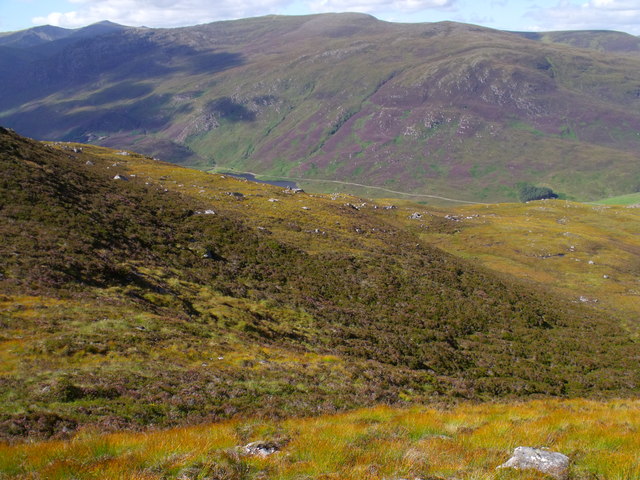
528 192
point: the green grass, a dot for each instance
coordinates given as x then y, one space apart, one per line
630 199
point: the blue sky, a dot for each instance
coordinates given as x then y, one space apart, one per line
530 15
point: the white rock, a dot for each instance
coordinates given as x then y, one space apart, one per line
553 464
261 448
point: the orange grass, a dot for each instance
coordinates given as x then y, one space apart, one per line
464 442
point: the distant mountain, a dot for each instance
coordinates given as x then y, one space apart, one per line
446 108
33 36
37 36
600 40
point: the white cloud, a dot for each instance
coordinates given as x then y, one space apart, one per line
379 6
160 13
621 15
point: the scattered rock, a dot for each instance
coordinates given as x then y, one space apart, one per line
439 436
306 208
261 448
123 153
209 212
235 194
585 299
415 216
274 200
89 163
120 177
417 478
293 190
553 464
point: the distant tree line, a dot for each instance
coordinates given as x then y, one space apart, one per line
528 192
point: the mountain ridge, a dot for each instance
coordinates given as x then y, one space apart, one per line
423 108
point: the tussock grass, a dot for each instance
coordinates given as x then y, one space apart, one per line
467 441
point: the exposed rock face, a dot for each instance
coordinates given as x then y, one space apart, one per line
550 463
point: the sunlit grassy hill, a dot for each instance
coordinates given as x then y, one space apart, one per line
138 293
588 253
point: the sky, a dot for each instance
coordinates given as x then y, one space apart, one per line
520 15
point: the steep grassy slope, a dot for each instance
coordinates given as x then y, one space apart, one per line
130 303
445 108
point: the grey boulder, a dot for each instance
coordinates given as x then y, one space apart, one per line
553 464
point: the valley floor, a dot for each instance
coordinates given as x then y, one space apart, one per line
464 442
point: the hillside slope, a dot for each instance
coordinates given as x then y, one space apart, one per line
129 302
587 253
444 108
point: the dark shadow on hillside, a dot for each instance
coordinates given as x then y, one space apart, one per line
116 58
231 110
56 123
121 91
